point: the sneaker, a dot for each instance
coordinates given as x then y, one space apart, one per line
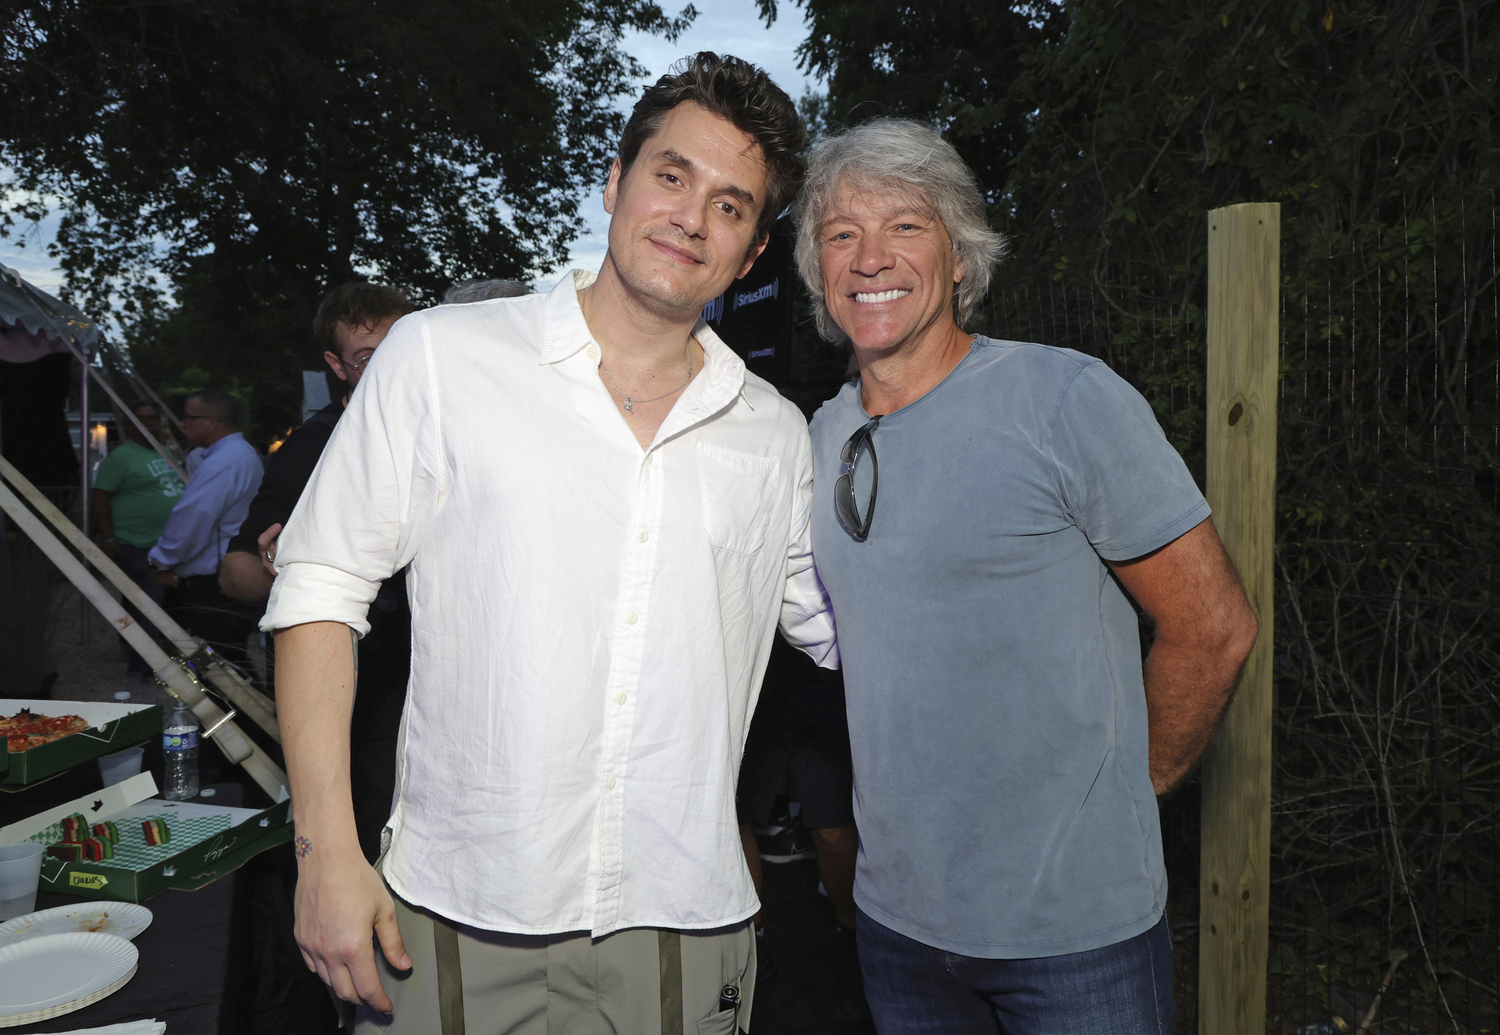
784 844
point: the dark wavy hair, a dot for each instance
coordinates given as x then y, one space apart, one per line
359 304
734 89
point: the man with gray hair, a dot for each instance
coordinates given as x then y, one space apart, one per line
483 290
1008 742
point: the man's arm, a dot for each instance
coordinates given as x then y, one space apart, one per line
104 521
244 577
340 897
806 614
1204 632
193 524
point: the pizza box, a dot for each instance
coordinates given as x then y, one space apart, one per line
207 841
115 727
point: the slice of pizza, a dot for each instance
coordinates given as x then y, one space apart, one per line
27 729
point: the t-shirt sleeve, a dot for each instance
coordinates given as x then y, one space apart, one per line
1123 484
287 472
112 472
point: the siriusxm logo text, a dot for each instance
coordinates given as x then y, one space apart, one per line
760 294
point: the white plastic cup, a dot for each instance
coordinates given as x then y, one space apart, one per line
121 765
20 872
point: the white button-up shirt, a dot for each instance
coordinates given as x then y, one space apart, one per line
590 620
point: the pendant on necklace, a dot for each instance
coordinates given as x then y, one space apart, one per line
629 406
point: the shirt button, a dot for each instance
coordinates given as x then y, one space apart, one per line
644 535
650 458
609 783
593 352
631 618
621 697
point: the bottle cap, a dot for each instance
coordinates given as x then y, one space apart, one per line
122 695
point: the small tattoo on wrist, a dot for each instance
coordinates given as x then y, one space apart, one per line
302 846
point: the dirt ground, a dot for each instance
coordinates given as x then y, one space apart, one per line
90 657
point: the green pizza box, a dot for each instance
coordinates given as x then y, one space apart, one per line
206 842
115 727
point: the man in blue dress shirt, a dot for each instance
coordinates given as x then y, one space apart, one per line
207 516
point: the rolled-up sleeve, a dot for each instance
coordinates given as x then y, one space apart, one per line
371 496
806 613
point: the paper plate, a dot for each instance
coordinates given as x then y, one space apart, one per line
123 919
56 974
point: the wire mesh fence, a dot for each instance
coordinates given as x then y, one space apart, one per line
1385 837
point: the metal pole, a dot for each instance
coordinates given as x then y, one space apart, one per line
83 474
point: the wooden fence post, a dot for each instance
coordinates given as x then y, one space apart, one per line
1244 281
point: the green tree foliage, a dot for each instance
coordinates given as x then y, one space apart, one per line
247 156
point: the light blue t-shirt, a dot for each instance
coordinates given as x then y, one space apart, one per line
992 663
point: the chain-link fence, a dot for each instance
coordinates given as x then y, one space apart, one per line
1385 836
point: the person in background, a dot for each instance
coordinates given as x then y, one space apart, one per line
798 746
351 322
207 515
483 291
134 493
604 514
984 514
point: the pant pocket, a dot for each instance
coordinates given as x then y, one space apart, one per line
720 1022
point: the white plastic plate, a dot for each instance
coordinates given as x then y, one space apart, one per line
58 973
123 919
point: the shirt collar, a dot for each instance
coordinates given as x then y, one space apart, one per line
566 332
232 436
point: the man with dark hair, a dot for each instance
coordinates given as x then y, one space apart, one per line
206 517
604 517
361 315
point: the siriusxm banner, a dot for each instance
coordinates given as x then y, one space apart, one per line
754 317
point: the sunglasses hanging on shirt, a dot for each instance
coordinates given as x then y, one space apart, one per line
845 503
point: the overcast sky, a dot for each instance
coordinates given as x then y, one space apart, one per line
721 25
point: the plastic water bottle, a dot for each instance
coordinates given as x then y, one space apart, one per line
179 746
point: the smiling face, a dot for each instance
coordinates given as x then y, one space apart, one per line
684 213
888 270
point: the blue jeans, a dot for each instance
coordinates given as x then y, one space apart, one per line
914 989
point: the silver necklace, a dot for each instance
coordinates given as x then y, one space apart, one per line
630 403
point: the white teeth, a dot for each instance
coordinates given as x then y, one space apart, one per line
883 296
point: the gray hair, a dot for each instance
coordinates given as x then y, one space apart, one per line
909 158
483 290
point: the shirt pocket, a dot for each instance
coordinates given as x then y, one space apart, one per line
739 497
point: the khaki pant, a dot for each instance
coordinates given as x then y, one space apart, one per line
489 983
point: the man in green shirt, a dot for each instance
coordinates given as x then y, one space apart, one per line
134 491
